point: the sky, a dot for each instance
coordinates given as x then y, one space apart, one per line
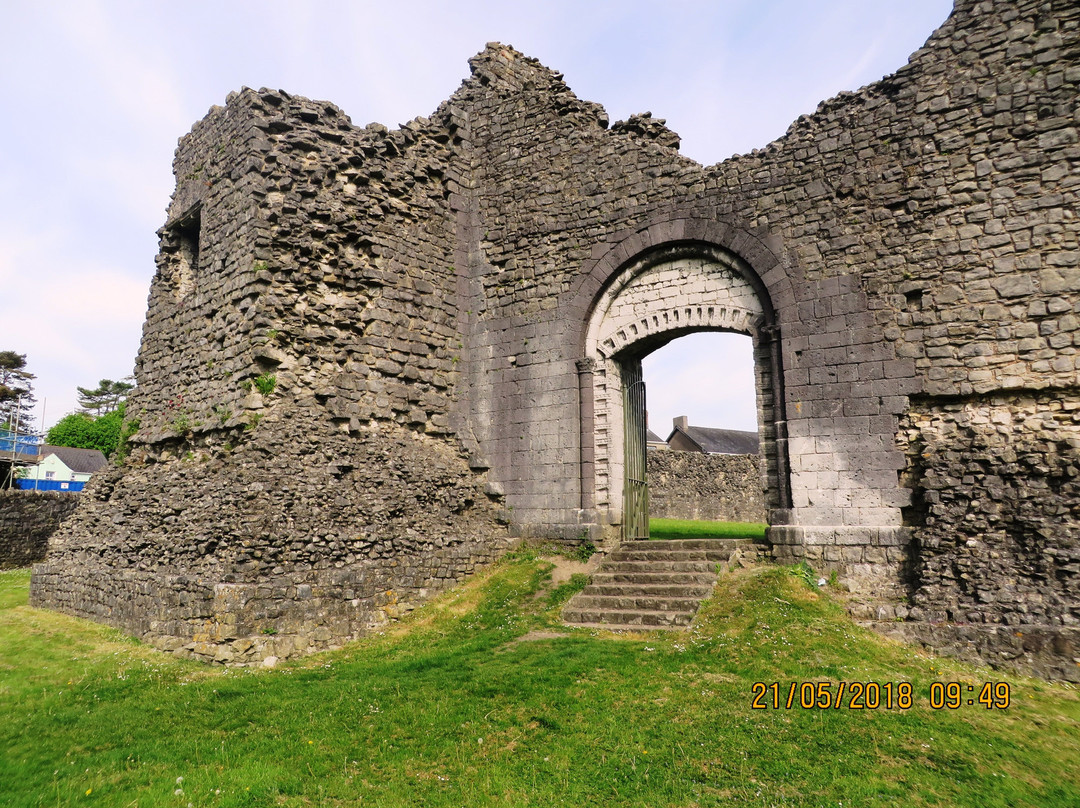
97 92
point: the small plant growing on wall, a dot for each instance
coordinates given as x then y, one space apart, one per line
266 383
123 447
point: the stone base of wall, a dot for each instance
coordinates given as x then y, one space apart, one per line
275 616
238 545
878 566
27 519
1049 652
871 560
690 485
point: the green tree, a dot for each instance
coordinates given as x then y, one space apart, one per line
105 398
16 396
83 431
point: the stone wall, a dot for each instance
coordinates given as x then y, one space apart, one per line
27 519
292 539
329 297
290 483
720 487
997 524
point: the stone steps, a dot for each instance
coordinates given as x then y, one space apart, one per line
702 555
654 590
630 620
660 566
650 585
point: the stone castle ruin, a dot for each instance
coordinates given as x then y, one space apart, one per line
375 358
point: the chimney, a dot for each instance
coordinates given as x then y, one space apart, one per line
682 422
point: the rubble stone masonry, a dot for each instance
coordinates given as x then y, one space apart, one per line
374 358
717 487
27 519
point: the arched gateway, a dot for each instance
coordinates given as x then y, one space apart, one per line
664 293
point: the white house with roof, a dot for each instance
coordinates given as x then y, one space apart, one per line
62 468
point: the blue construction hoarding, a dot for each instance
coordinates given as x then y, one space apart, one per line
50 485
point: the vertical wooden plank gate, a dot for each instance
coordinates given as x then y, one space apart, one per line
635 489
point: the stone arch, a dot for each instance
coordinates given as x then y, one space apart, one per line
664 292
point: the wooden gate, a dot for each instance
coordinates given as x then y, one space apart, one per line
635 489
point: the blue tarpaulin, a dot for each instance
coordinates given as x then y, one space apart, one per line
24 444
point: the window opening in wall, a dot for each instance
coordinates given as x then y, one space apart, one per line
187 234
703 407
184 237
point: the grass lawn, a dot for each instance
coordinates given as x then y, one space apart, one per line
700 529
457 706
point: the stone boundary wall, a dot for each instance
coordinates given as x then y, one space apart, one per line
27 519
721 487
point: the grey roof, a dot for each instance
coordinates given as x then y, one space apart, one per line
83 461
720 441
652 437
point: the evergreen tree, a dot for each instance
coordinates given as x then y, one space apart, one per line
16 393
105 398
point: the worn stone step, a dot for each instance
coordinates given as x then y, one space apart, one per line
623 627
659 566
646 576
636 602
626 617
645 554
684 544
663 590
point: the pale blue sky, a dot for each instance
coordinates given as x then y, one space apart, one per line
96 93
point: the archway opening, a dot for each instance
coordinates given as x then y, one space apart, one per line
707 376
703 442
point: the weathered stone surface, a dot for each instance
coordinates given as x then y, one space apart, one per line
689 485
222 554
405 319
997 509
27 519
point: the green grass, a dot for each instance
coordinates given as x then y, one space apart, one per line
451 708
701 529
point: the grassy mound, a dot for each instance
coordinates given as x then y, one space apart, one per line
482 698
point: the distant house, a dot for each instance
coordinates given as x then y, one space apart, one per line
686 438
654 441
62 468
